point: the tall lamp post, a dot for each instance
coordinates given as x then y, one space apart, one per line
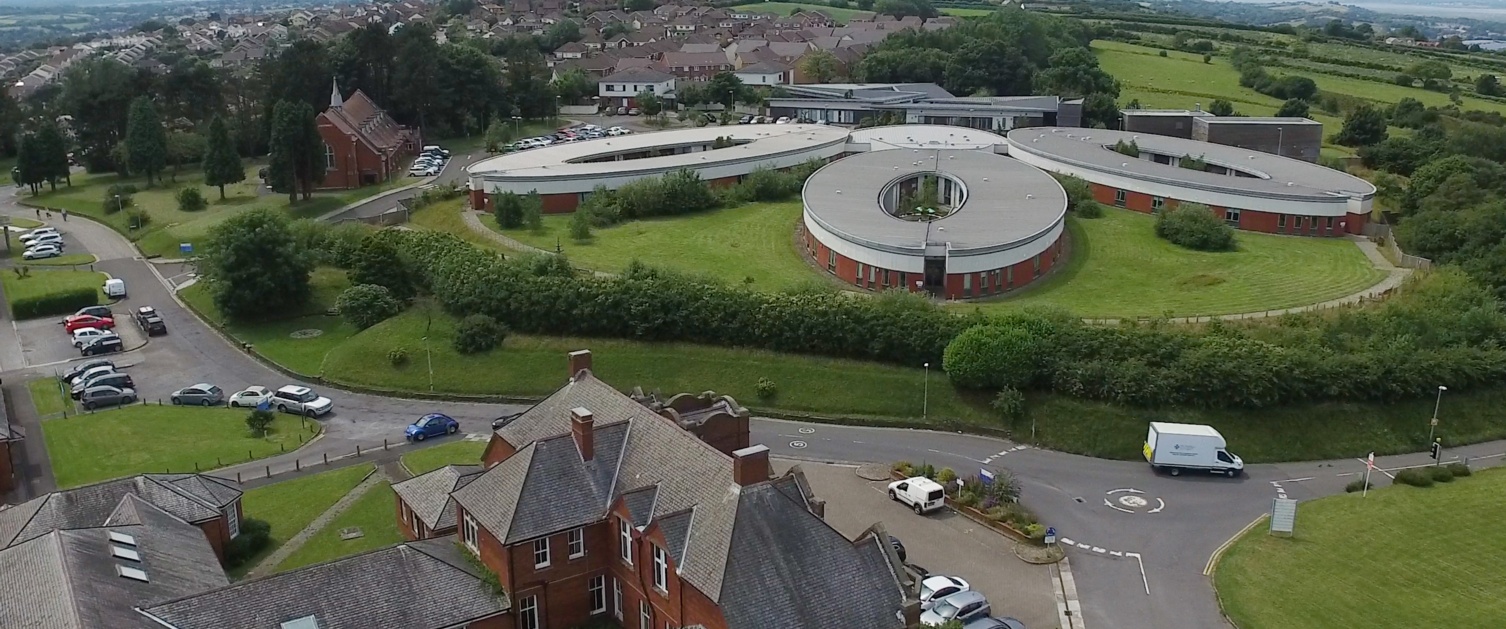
925 395
1279 142
1432 424
516 121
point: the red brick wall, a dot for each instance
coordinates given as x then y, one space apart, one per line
560 203
7 471
218 534
415 529
500 621
479 200
1249 220
563 587
496 451
351 158
699 610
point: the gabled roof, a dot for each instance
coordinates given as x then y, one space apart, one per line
418 585
360 117
695 59
191 497
428 494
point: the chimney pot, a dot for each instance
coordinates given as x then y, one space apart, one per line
750 465
583 429
579 360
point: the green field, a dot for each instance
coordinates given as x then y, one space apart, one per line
1119 268
48 397
303 354
375 513
289 506
751 244
1401 557
458 452
43 282
785 8
142 439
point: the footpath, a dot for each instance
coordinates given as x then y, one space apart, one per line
386 471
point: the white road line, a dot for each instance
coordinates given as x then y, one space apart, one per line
1298 480
1116 553
1143 578
1126 489
1110 505
1068 541
1160 504
1099 550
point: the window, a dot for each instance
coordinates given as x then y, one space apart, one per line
998 282
1119 198
1037 265
831 261
967 285
661 569
232 515
1281 222
468 534
528 613
1231 216
1297 222
406 511
617 598
329 157
646 615
1157 204
1009 276
625 531
577 543
872 274
859 280
983 283
598 588
541 553
1328 226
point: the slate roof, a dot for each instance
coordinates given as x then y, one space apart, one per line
417 585
428 494
637 75
67 579
191 497
357 115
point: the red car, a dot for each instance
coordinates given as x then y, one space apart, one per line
87 321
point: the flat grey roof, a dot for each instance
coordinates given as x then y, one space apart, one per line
764 140
1008 202
1277 177
925 136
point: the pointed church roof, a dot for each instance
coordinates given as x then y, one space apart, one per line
335 100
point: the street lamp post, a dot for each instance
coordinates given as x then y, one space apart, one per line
516 120
1432 424
1279 142
925 396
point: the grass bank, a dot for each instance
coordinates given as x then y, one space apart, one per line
289 506
87 448
45 282
459 452
48 397
374 513
292 342
1352 561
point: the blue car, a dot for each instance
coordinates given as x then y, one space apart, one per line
431 425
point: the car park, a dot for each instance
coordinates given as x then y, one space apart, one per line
102 345
936 587
964 606
202 394
85 367
106 396
994 623
78 322
150 322
431 425
83 336
86 375
252 396
301 401
42 252
117 379
921 494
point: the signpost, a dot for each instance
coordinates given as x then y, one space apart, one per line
986 477
1283 515
185 248
1050 536
1369 465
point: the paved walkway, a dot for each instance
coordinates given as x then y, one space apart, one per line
473 221
294 543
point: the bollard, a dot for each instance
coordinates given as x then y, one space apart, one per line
358 450
217 462
269 471
384 445
195 466
297 465
281 448
326 458
237 478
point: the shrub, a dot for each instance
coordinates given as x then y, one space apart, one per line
903 467
927 470
766 389
1091 209
138 218
118 198
993 357
580 226
1416 477
397 357
54 303
478 333
259 421
1034 531
365 305
1131 149
1193 225
1161 53
1005 488
1358 485
254 537
1441 474
191 200
1458 469
1009 403
508 209
946 476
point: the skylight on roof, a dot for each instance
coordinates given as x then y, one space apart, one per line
121 552
135 574
306 622
122 538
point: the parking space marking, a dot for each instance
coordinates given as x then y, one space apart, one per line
1001 453
1143 579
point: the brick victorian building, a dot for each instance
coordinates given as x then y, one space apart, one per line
598 504
362 144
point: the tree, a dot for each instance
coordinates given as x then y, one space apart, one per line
469 91
379 263
1487 85
184 147
989 66
300 73
1100 111
580 226
190 199
1193 225
259 421
905 8
297 150
1293 108
649 103
508 208
1221 107
559 34
222 163
191 90
97 92
1075 72
725 88
820 66
415 73
28 165
364 60
11 117
365 305
1436 70
574 85
255 267
146 140
1364 126
52 154
528 88
478 333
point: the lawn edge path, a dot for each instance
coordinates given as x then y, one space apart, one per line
270 562
473 221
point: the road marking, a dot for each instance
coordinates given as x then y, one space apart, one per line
1298 480
1133 502
1143 579
1110 505
1099 550
934 451
1116 553
797 444
1068 541
1280 492
1219 552
1126 489
1001 453
1161 504
807 431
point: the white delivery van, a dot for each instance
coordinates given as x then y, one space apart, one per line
115 288
1177 447
922 494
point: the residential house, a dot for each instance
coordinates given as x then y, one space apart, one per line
571 50
622 88
696 66
765 73
362 144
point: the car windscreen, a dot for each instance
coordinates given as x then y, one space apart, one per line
213 390
308 396
935 494
945 609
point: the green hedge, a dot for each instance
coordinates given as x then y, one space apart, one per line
54 303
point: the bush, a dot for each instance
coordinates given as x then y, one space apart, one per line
365 305
766 389
927 470
1193 225
993 357
946 476
580 226
54 303
1009 403
138 218
1416 477
1358 485
254 537
191 200
903 467
1458 469
259 421
1091 209
478 333
118 197
397 357
1441 474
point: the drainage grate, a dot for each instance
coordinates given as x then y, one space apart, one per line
1079 499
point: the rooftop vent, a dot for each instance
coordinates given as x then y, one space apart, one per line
306 622
134 574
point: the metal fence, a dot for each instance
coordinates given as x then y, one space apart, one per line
1381 235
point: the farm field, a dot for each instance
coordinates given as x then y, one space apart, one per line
1354 560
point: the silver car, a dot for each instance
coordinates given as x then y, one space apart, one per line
96 397
203 394
964 606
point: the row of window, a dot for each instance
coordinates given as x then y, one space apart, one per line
614 87
996 281
1308 223
1003 279
529 616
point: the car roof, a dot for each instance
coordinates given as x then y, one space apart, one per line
942 580
435 416
966 597
256 387
293 388
102 387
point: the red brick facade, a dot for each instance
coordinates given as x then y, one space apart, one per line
362 144
217 531
7 469
1245 219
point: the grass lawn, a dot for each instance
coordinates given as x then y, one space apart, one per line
445 217
1119 268
754 241
531 365
48 397
67 259
140 439
42 282
274 338
457 452
1413 557
375 513
785 8
966 12
289 506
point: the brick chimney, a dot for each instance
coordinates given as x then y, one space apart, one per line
579 360
750 465
911 613
583 429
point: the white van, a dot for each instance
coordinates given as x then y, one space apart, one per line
922 494
115 288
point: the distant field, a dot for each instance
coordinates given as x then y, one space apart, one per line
785 8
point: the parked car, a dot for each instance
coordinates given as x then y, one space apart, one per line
899 547
783 120
44 239
115 288
82 336
431 425
38 232
251 396
106 396
98 311
964 606
416 171
301 401
634 111
920 493
117 379
203 394
615 131
505 420
78 322
936 587
85 367
32 237
42 252
745 119
149 320
102 345
994 623
622 111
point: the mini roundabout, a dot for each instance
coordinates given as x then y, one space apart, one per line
973 218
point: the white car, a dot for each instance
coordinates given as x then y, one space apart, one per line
783 120
44 239
251 397
301 401
83 336
38 233
922 494
618 131
42 251
936 587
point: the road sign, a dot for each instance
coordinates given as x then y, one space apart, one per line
1437 450
185 247
986 477
1370 461
1283 515
1050 535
